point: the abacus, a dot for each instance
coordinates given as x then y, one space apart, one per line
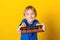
32 29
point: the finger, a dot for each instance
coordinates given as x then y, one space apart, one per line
43 27
19 28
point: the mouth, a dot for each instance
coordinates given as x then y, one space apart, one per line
31 19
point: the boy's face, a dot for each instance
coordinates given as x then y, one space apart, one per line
29 15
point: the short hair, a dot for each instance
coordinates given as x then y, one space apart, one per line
31 7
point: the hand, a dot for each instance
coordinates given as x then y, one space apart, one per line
19 31
19 28
23 25
43 26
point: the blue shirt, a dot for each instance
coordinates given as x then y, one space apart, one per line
29 36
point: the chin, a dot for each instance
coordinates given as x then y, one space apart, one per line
30 20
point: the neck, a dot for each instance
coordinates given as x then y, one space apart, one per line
30 22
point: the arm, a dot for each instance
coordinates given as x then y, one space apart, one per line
22 25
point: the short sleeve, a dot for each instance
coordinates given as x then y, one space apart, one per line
23 21
36 22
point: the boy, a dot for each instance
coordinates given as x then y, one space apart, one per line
29 20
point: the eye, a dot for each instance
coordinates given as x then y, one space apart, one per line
32 13
27 13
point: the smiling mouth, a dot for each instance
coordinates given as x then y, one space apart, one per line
30 18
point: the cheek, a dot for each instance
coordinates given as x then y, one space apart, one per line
26 16
33 16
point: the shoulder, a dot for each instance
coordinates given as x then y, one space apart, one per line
24 20
36 21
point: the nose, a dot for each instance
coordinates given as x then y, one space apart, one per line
30 16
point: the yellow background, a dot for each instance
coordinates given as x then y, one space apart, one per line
11 14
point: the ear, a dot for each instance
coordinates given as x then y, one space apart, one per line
24 17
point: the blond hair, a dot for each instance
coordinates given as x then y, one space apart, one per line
31 7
